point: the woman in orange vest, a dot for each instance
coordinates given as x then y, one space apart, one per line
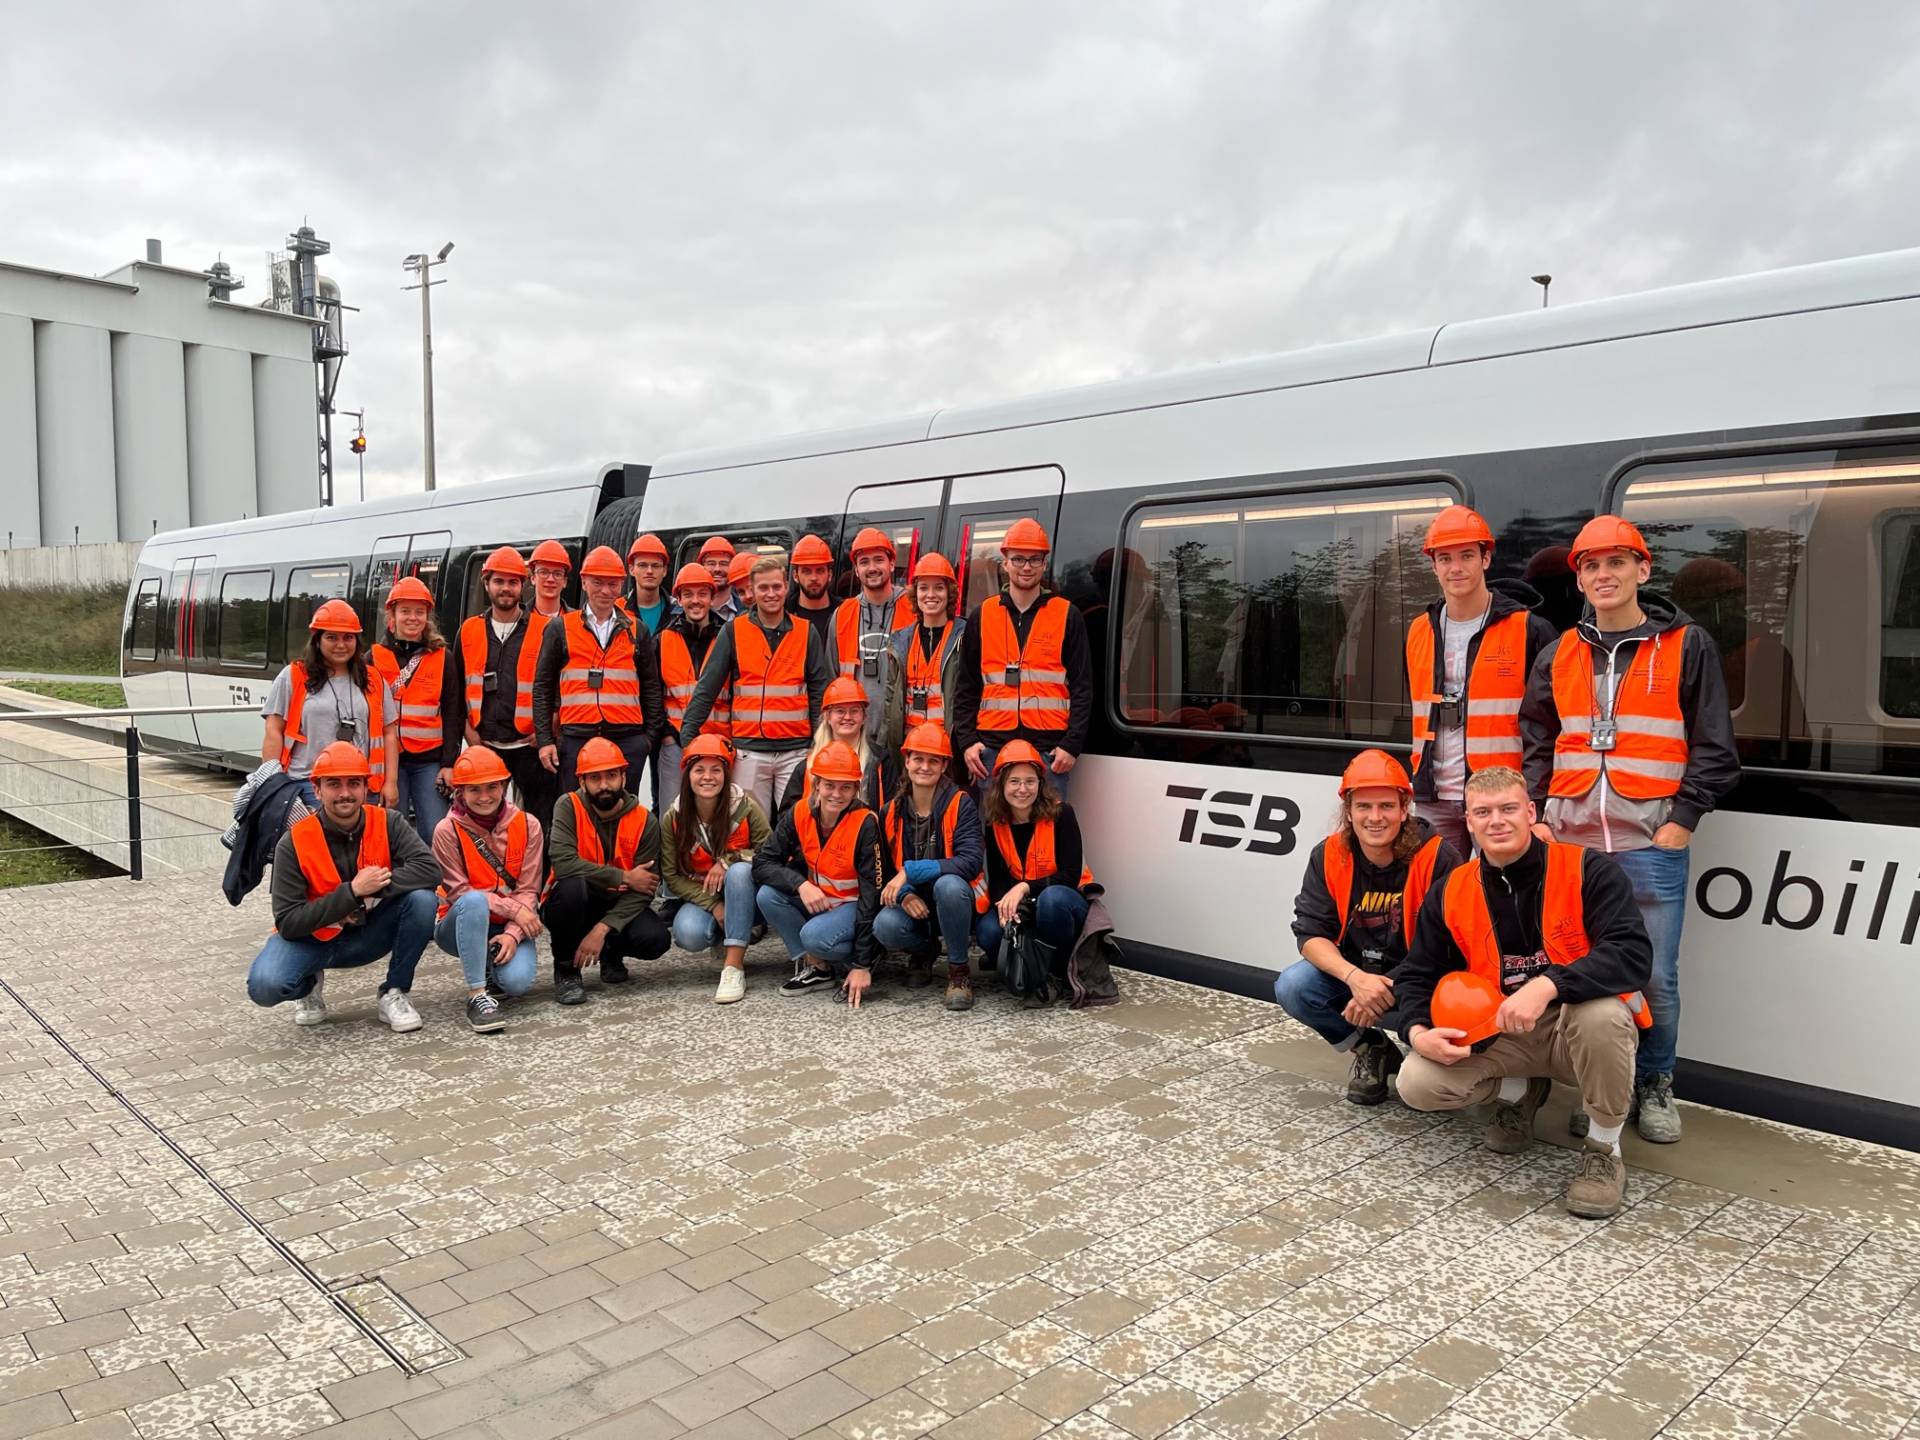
932 834
491 856
708 840
843 719
494 658
1035 863
819 878
923 658
683 644
1354 918
414 663
331 693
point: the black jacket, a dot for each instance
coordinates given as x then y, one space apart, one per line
699 639
553 659
1619 960
721 667
258 833
1508 596
296 917
1068 856
1074 655
782 863
1317 917
496 708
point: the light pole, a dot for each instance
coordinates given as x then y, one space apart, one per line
419 266
1543 281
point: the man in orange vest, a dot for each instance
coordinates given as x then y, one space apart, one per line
493 664
1025 670
350 885
598 674
647 562
492 857
864 622
606 870
1354 918
1553 935
810 594
1468 658
775 666
820 875
551 566
1629 745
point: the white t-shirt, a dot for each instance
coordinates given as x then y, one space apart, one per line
321 716
1449 751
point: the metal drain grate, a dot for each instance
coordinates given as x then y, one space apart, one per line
403 1332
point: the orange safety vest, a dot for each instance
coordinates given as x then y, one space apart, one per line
316 859
474 634
1649 757
1039 860
419 698
480 872
895 824
1038 698
831 866
702 859
617 701
1496 685
292 734
1337 862
923 675
1562 920
769 686
846 628
679 676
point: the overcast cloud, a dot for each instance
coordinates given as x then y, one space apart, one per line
694 224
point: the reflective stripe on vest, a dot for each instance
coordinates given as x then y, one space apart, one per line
1496 685
895 826
1038 863
418 698
769 686
1563 927
846 628
480 872
923 675
617 700
1039 698
832 866
677 674
700 859
1336 861
475 634
316 859
1649 757
376 748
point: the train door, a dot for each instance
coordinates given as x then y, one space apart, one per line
186 593
386 564
907 512
979 509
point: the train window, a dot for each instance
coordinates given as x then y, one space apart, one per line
144 642
427 558
1805 570
307 590
766 542
1276 614
243 617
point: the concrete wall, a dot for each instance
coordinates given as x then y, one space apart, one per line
286 469
73 407
220 479
77 565
19 445
150 434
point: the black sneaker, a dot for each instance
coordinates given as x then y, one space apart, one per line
483 1014
919 972
807 978
567 989
613 972
1375 1057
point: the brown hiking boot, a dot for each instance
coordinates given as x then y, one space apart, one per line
1375 1057
959 988
1510 1132
1599 1182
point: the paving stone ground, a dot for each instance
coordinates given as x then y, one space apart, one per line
655 1217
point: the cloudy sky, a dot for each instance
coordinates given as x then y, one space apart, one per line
683 225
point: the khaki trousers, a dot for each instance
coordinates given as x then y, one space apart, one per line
764 774
1590 1045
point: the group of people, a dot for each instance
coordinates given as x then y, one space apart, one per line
877 776
1512 908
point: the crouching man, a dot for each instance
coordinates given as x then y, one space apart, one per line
1558 948
348 889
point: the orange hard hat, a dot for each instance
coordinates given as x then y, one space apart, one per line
935 566
552 552
335 615
740 567
478 765
599 754
648 545
812 550
869 539
1371 768
716 545
341 760
602 562
844 690
1026 534
506 561
929 737
1457 525
707 747
1465 1001
836 760
691 574
1018 752
407 590
1608 532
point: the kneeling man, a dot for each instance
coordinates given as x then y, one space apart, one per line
1555 929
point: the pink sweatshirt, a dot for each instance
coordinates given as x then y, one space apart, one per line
504 908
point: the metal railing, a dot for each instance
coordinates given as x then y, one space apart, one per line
128 739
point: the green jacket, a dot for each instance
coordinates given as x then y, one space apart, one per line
565 853
692 888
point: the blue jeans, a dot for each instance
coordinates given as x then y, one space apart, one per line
666 775
695 929
1058 913
1315 999
417 793
827 936
285 969
950 899
465 930
1660 890
993 750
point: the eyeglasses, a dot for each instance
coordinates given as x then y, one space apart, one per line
1020 559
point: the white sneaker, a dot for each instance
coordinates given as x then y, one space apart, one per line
397 1011
733 985
311 1008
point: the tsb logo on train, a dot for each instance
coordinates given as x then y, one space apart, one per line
1232 819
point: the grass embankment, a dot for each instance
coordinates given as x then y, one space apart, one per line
42 867
75 692
64 630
